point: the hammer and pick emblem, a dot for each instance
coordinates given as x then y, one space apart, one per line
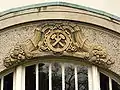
58 41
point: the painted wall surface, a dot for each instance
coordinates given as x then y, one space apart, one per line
110 6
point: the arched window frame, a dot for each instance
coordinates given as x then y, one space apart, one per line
3 74
111 77
93 76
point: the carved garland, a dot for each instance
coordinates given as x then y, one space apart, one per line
58 39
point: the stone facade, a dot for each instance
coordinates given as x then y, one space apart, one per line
100 45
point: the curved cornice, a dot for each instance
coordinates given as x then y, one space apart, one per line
13 10
61 11
32 48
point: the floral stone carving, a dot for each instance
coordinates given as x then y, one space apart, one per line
58 39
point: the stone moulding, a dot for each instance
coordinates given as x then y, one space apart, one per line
58 39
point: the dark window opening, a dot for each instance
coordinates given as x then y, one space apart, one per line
0 84
115 85
82 73
104 82
69 77
8 82
56 76
43 76
30 78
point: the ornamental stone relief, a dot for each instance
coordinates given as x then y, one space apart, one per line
58 39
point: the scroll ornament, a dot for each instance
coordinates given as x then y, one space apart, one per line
58 40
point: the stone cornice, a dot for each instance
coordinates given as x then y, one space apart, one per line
64 11
100 12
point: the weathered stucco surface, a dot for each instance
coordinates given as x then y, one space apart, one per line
11 36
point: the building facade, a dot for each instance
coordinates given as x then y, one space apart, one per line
59 46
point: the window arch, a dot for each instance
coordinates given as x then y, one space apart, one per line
56 36
56 75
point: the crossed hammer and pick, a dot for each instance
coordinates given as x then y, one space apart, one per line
58 37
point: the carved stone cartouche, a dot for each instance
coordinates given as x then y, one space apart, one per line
58 38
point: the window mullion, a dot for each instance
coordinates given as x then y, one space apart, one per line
50 77
76 79
37 77
110 84
2 81
95 79
19 78
14 81
90 78
63 77
23 78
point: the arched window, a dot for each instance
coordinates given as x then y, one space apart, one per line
60 48
57 76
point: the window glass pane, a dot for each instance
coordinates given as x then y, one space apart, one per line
43 76
69 77
56 76
30 78
82 73
115 85
8 82
104 82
